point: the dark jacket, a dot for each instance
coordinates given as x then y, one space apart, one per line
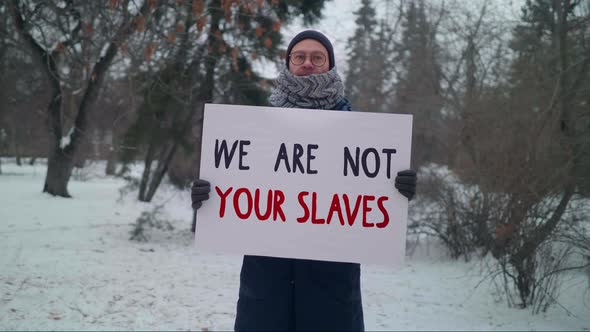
294 294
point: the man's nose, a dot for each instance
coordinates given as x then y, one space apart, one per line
307 63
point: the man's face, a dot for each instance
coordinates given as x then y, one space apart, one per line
310 51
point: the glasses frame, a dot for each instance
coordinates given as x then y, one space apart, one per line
310 56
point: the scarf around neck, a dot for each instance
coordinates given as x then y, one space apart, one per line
317 91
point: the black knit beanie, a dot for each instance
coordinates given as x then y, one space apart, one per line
315 35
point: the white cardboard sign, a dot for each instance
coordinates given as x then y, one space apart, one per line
308 184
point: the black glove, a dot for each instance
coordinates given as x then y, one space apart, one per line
405 182
200 192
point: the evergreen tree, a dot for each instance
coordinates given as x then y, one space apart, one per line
417 90
216 65
551 72
368 60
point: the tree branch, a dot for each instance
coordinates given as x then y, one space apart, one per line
101 67
48 66
541 233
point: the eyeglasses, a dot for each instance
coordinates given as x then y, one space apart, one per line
318 59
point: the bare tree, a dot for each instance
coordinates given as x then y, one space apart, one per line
518 144
75 60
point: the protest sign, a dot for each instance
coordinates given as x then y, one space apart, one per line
299 183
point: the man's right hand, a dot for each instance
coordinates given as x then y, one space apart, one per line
200 192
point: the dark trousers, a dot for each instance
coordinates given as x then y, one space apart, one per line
293 294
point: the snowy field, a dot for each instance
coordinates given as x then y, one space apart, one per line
68 264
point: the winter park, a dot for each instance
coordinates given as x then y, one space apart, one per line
295 165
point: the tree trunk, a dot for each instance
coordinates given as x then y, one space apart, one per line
59 170
198 170
145 177
15 148
111 162
525 280
14 132
111 167
56 181
161 171
32 161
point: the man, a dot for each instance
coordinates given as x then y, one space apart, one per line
296 294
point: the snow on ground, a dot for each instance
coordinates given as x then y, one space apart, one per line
67 264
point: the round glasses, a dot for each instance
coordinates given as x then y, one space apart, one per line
318 59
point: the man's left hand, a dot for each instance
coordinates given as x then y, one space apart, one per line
405 182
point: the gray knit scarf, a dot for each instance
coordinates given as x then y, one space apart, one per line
317 91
